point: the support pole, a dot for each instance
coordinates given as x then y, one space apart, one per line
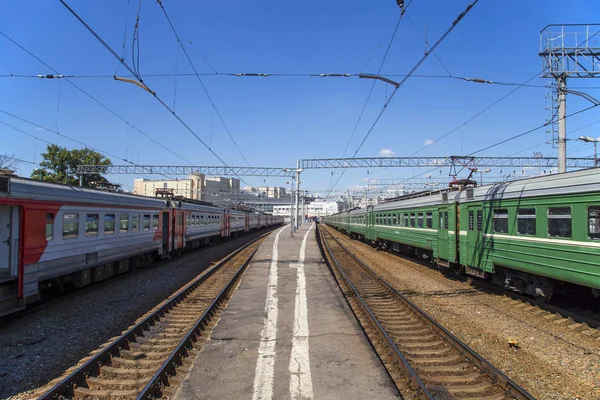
562 123
297 194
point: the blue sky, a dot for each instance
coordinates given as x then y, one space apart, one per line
277 120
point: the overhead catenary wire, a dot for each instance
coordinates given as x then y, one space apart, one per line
487 82
476 115
496 102
187 56
105 153
107 46
96 100
532 130
398 85
387 50
364 107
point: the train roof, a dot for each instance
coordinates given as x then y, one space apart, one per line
357 210
583 181
31 189
424 199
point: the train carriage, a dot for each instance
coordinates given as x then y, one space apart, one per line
56 234
357 223
533 236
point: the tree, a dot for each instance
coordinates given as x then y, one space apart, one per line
8 162
59 165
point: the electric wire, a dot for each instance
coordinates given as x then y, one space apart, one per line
201 82
105 153
97 101
496 102
398 85
107 46
532 130
299 75
362 111
475 116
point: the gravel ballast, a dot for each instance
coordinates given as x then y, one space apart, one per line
552 361
40 345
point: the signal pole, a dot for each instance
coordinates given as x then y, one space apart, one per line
568 51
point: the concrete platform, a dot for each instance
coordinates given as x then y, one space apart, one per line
287 332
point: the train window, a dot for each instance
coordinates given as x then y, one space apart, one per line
109 224
49 226
445 219
146 220
559 221
134 222
91 224
501 221
526 221
412 220
429 220
180 219
124 223
395 219
187 220
441 220
420 220
480 220
155 222
70 226
471 220
594 223
406 220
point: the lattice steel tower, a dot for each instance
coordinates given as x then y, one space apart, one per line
568 51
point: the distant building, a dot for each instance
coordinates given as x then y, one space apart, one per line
317 208
270 192
196 186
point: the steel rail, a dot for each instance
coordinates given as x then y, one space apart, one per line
167 369
92 365
508 385
415 382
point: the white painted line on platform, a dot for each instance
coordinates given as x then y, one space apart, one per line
265 364
300 377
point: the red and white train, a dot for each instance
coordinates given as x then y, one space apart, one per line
56 234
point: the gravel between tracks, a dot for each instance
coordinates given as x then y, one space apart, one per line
40 345
552 363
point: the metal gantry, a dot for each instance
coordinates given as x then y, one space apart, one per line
567 51
184 170
332 163
484 162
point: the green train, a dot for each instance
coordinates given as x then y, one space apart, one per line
537 236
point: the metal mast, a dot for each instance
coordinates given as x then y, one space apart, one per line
568 51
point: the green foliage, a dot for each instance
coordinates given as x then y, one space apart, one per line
60 166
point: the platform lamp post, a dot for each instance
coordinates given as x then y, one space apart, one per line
588 139
297 171
481 172
291 183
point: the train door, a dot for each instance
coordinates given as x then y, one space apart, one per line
173 229
475 236
165 234
9 241
443 248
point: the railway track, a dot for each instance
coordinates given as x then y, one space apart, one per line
434 364
580 316
147 358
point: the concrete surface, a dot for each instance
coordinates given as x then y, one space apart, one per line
313 348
